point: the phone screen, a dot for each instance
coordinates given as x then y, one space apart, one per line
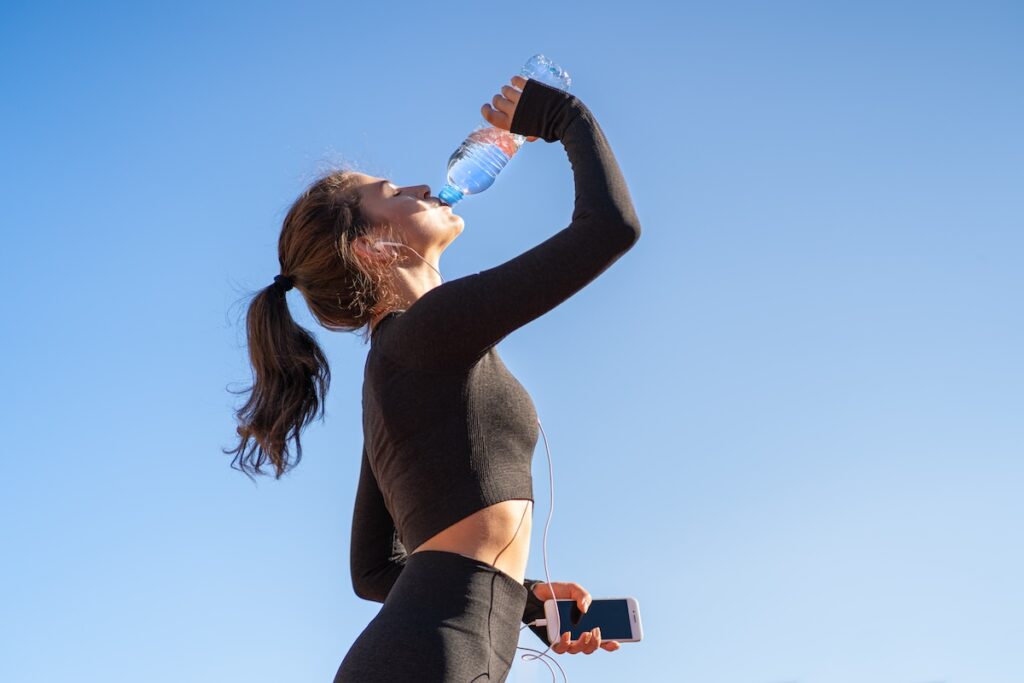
611 615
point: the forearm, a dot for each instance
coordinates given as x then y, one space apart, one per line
602 196
374 581
376 554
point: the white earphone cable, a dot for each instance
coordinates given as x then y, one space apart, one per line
547 573
399 244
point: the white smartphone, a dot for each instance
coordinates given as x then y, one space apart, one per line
619 619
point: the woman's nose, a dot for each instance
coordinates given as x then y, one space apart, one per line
420 191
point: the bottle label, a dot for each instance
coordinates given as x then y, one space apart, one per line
501 139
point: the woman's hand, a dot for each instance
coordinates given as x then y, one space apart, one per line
588 642
503 105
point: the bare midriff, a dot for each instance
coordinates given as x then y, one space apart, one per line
498 535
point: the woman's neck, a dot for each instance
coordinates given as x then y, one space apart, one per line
410 283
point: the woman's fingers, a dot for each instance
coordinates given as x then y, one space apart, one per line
496 118
510 94
588 643
565 590
593 641
506 101
513 94
502 107
580 594
562 645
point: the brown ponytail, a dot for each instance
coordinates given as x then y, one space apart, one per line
290 372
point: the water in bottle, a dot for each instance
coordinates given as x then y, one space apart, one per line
473 167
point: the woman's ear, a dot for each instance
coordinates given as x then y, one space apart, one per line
365 247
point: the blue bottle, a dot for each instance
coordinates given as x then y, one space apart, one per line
473 167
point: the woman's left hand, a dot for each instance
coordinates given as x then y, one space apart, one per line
587 642
502 108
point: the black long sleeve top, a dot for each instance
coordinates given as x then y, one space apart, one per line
448 430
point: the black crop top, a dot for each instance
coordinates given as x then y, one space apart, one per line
447 428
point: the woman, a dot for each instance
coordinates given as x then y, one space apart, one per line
448 432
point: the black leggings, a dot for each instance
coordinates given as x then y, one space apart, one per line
448 619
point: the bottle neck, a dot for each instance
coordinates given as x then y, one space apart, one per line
450 194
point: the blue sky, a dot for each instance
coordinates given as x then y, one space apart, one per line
788 421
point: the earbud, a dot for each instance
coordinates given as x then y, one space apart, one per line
378 245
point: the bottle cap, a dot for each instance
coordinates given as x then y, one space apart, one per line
450 194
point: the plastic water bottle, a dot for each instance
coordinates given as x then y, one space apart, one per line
473 167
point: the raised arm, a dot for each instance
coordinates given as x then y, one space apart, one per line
458 321
376 556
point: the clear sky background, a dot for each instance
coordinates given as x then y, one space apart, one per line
789 421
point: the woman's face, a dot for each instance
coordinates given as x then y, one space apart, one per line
421 221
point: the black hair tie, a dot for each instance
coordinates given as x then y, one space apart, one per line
283 282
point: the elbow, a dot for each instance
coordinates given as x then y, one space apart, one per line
623 216
620 226
633 226
366 589
630 229
632 223
365 585
358 587
625 213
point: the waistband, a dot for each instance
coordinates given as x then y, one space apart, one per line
445 565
